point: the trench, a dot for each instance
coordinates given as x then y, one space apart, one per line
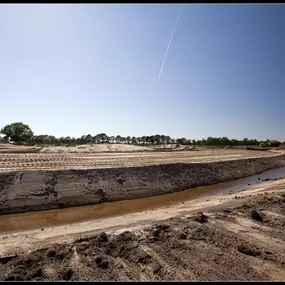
43 219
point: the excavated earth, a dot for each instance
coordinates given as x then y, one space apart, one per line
235 236
34 182
238 236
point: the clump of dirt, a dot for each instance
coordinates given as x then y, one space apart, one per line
256 216
158 232
102 262
201 218
103 237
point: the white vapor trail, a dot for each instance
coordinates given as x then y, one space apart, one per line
169 43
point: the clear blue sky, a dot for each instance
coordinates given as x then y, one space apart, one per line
80 69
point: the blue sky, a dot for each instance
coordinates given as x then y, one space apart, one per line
79 69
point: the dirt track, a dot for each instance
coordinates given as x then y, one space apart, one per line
240 236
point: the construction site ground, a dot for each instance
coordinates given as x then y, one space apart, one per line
232 236
239 236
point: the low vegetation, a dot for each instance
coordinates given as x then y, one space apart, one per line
22 133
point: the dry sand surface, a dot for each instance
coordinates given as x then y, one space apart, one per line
64 161
239 236
10 148
86 148
96 148
102 148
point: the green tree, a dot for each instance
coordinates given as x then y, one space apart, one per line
155 139
225 141
235 142
50 140
167 139
82 140
245 141
118 139
101 138
89 139
183 141
148 140
18 132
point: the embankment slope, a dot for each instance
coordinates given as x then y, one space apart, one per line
33 191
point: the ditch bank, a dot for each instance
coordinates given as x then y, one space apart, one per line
36 191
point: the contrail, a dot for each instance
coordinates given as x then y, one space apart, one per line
165 56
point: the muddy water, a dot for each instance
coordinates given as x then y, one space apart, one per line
42 219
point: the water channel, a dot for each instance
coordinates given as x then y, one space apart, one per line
42 219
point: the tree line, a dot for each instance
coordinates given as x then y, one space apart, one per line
22 133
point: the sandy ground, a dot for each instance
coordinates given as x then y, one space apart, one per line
65 161
10 148
240 236
90 148
103 148
86 148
